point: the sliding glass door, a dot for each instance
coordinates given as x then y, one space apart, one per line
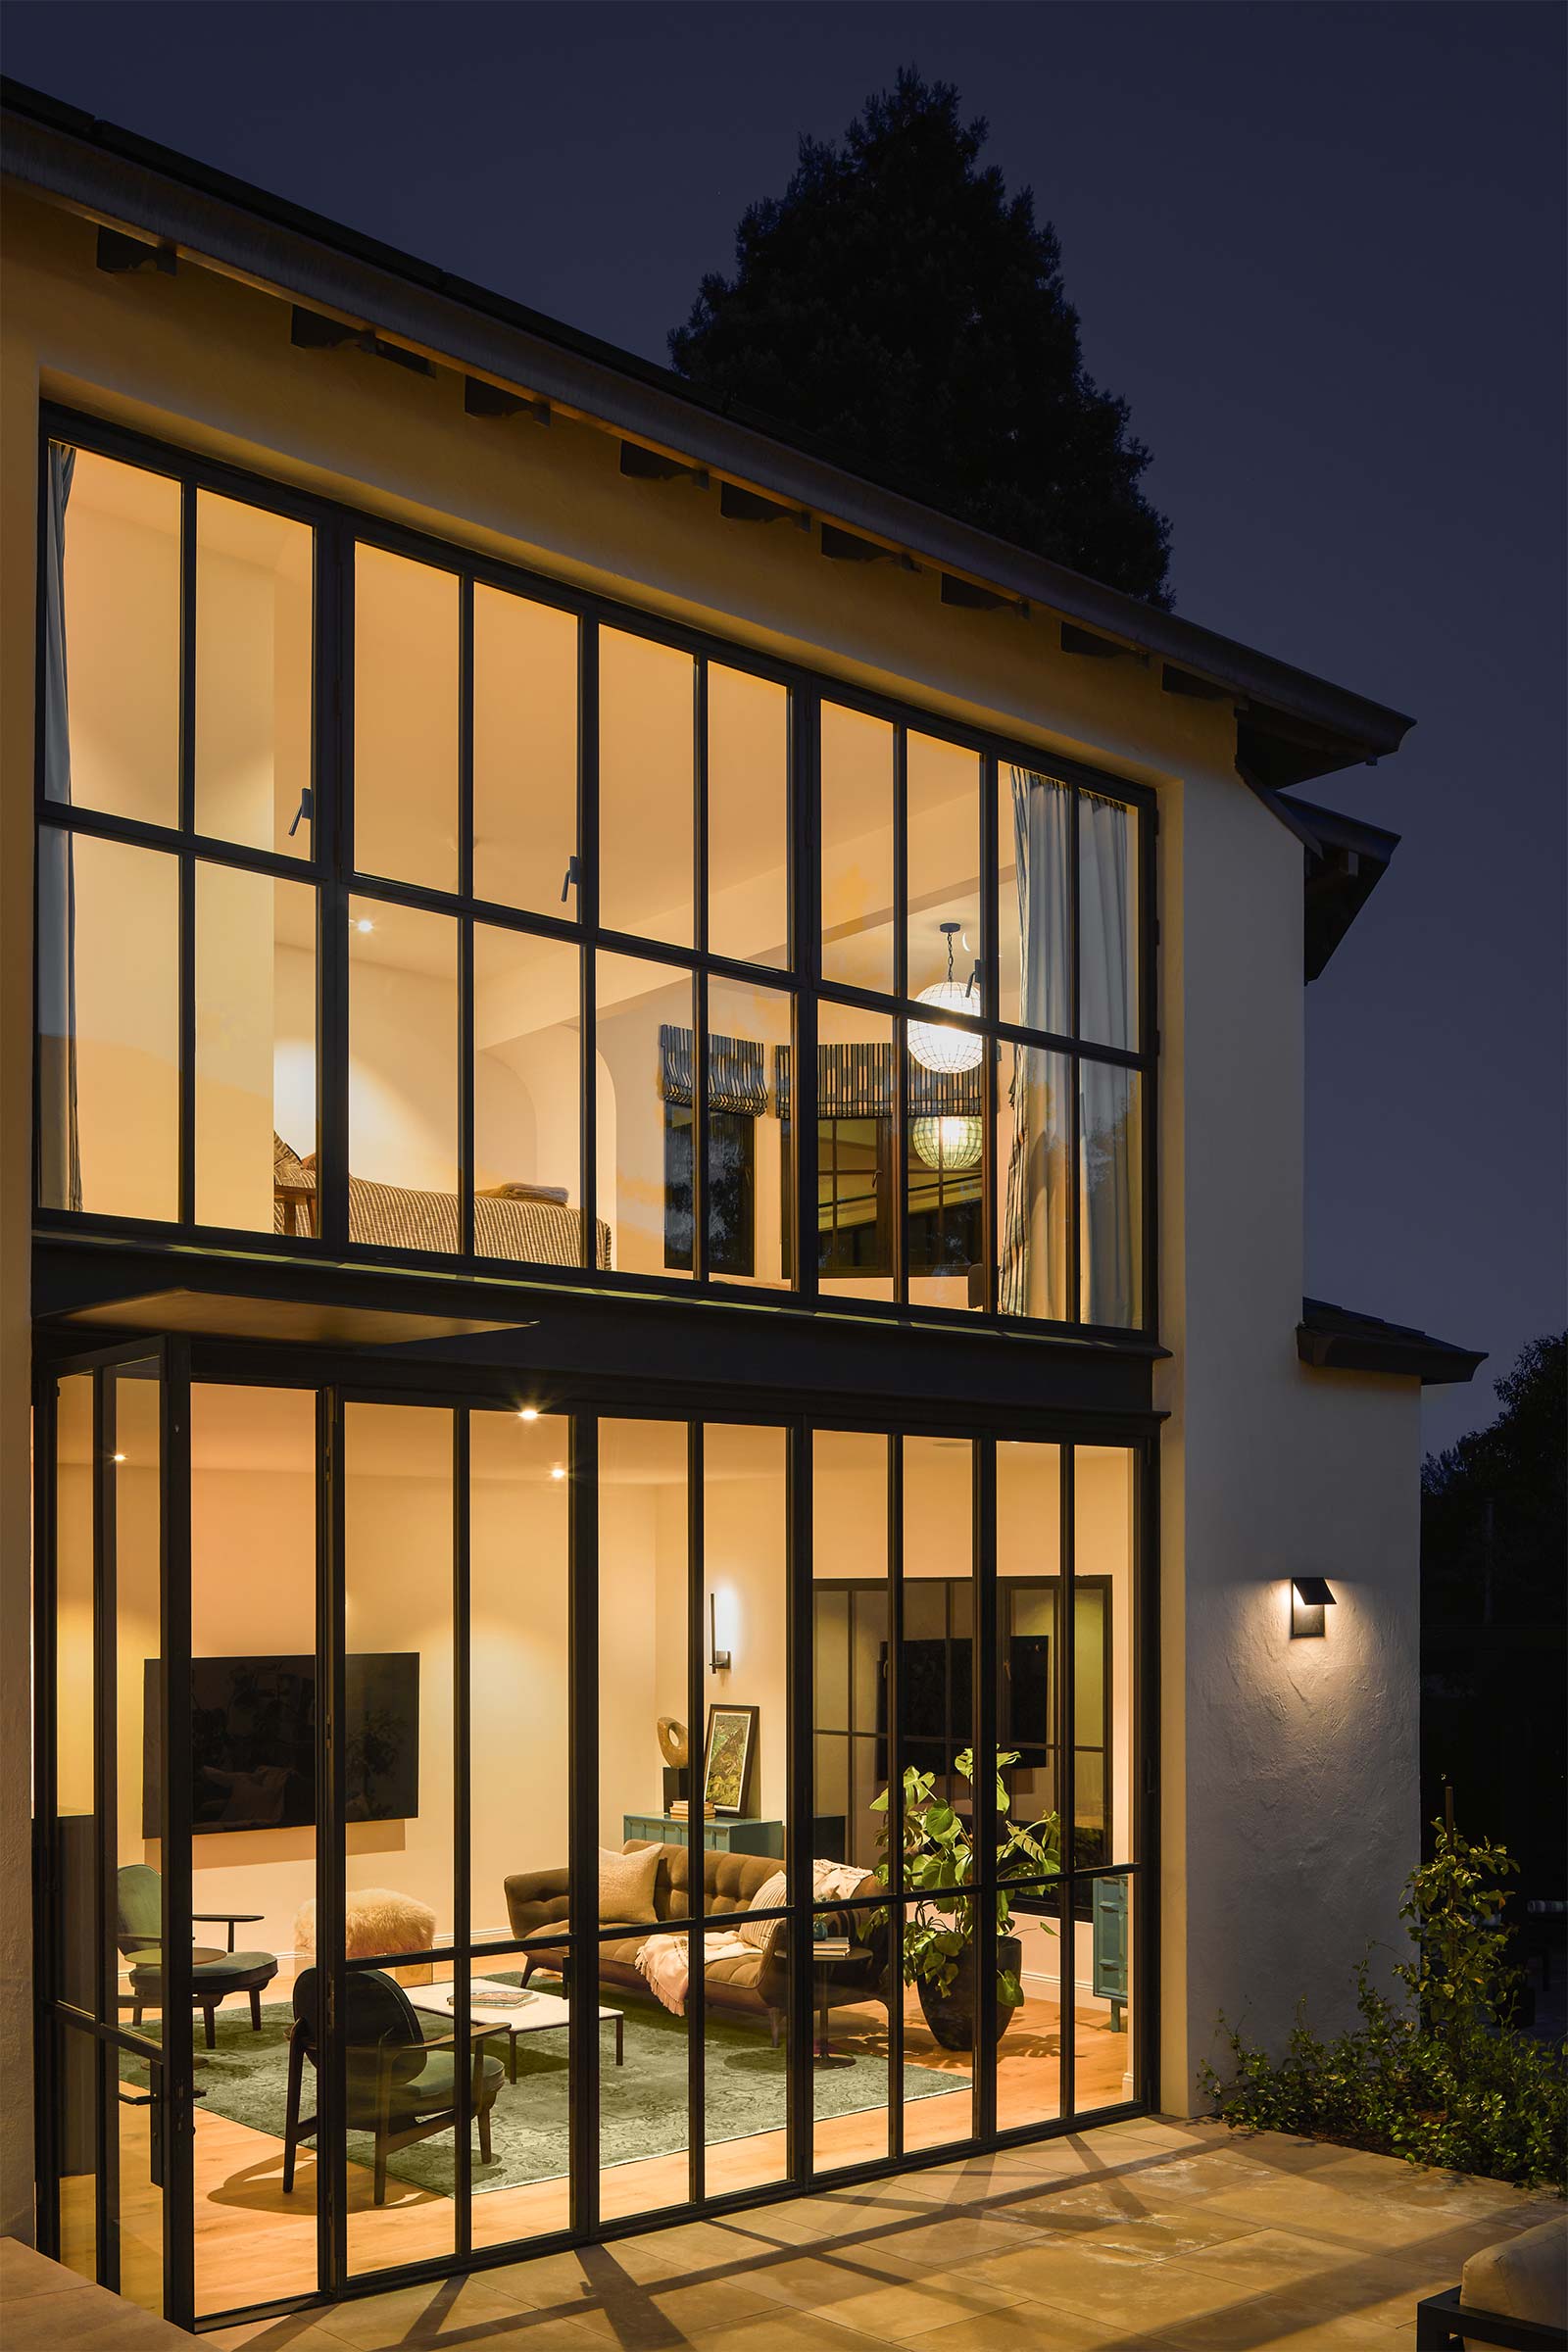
544 1821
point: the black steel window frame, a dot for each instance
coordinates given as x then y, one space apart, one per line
337 1381
330 870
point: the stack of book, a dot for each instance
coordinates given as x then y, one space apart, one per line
831 1947
679 1809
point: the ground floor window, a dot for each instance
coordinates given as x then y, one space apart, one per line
471 1824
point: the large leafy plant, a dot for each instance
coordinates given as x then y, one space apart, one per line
937 1865
1441 2074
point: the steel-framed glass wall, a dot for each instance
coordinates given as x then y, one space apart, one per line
399 905
360 1725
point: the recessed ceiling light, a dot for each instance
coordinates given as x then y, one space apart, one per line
529 1412
558 1471
119 1457
364 923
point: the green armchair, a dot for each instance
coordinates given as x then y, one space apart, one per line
398 2086
140 1938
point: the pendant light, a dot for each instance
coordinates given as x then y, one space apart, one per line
947 1145
937 1045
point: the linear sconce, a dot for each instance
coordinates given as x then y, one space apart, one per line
1310 1597
718 1660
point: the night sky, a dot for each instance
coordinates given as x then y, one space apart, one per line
1319 249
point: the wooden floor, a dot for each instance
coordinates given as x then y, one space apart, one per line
255 2244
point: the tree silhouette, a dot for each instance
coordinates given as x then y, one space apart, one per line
898 307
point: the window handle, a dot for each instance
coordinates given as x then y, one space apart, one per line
306 807
573 875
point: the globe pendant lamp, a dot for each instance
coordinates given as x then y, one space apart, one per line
950 1145
938 1045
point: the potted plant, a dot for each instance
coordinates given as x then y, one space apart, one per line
939 1866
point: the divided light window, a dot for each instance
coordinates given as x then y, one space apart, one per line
394 902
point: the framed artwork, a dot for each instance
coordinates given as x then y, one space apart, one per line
727 1757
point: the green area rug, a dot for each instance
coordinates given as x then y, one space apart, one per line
642 2103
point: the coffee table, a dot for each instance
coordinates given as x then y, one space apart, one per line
509 2010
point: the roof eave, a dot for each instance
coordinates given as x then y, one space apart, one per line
1335 1339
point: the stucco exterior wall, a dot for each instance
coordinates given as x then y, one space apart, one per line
1288 1805
1289 1814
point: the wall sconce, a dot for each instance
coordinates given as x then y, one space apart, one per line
718 1660
1310 1597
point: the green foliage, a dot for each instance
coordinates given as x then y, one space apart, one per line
1441 2076
901 308
939 1866
1495 1506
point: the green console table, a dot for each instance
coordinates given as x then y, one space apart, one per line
1111 1946
721 1836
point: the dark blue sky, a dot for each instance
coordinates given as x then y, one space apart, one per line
1320 249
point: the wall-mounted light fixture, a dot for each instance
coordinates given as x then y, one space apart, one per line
718 1660
1310 1597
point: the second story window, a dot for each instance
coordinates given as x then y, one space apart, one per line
394 903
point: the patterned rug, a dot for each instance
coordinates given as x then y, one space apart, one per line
642 2103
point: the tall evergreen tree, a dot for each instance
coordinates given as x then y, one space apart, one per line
899 307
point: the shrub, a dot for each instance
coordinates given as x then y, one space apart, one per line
1440 2072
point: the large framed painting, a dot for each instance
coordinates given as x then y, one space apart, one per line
727 1758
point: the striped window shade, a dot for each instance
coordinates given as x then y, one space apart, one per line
857 1082
737 1072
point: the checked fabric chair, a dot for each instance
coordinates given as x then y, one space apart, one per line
140 1939
398 2086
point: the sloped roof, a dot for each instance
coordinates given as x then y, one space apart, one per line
1335 1339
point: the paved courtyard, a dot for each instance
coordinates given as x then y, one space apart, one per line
1145 2236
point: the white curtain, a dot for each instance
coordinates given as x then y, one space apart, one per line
1031 1275
1111 1228
59 1135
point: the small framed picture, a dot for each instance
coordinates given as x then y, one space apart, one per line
727 1757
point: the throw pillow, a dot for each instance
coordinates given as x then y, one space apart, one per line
770 1897
627 1883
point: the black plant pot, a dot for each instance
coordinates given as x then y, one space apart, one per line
950 2014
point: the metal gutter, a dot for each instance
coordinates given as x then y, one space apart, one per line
119 181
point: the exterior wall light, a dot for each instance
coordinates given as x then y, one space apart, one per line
1310 1597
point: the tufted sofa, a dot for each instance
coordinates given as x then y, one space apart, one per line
757 1984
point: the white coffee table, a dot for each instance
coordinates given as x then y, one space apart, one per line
508 2009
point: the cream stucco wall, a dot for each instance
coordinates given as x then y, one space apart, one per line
1275 1757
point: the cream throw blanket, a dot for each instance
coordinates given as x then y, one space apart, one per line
667 1964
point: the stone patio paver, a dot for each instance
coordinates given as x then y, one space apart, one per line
1140 2238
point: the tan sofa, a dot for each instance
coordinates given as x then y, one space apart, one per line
757 1985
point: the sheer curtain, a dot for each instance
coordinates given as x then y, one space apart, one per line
1110 1108
1032 1273
59 1136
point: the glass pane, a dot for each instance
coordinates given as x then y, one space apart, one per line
935 1665
113 660
1108 933
1034 818
397 1803
1111 1196
1028 1635
524 753
252 1505
749 1199
403 1077
942 854
77 2143
1103 1506
938 2085
859 889
527 1099
944 1186
138 2221
647 787
109 1027
404 719
745 1537
856 1159
748 817
255 1027
850 1569
1029 2051
1102 2045
746 2043
76 1704
519 1509
524 2189
138 1406
1033 1109
255 608
644 1130
851 2032
650 1765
